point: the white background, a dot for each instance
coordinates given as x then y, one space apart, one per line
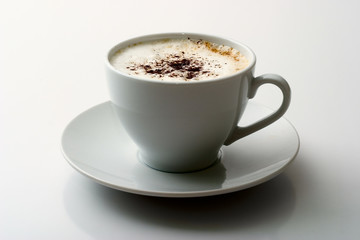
51 69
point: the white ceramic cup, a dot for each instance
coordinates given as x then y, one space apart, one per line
180 127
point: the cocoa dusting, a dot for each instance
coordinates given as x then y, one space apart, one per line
179 64
173 66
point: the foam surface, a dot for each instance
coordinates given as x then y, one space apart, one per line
178 60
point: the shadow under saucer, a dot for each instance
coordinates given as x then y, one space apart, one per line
266 206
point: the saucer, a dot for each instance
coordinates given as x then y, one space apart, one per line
96 145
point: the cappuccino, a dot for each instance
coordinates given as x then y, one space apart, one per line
178 60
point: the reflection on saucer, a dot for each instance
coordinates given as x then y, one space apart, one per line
208 179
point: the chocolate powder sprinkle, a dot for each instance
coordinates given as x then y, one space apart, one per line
179 64
174 66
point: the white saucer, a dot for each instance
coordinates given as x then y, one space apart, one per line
96 145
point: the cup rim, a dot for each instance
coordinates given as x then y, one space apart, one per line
158 36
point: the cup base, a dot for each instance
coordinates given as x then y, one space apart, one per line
184 168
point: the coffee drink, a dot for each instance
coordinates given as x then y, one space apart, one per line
180 96
181 59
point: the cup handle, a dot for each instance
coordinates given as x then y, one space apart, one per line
240 132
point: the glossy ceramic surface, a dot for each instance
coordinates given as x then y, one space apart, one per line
181 126
96 145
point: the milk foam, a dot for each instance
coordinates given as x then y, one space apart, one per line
178 60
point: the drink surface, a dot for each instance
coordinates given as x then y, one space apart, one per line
179 60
